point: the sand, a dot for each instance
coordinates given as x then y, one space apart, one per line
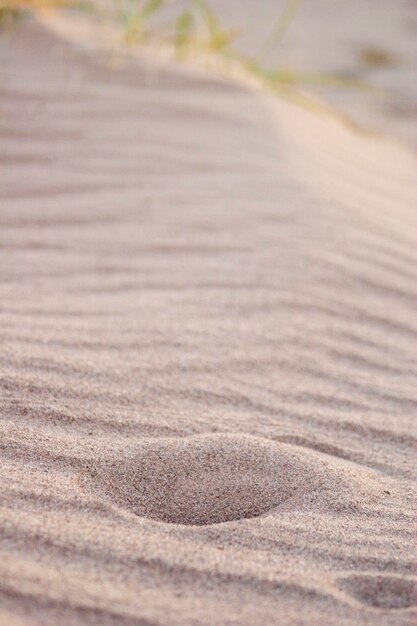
208 352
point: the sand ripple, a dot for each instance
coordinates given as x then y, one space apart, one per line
208 363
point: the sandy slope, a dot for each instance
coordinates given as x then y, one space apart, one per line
208 353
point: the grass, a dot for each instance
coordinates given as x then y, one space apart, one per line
282 25
8 17
197 30
192 29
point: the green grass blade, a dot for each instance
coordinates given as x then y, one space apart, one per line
150 8
184 27
293 77
9 18
209 17
285 20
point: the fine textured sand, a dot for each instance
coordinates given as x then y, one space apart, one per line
208 352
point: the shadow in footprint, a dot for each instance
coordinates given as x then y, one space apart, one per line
380 591
210 479
200 480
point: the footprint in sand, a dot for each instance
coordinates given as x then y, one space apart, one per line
380 591
210 479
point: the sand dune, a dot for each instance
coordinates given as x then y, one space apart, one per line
208 352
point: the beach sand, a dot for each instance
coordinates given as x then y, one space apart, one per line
208 352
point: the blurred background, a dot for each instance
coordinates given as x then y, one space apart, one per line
358 55
373 41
